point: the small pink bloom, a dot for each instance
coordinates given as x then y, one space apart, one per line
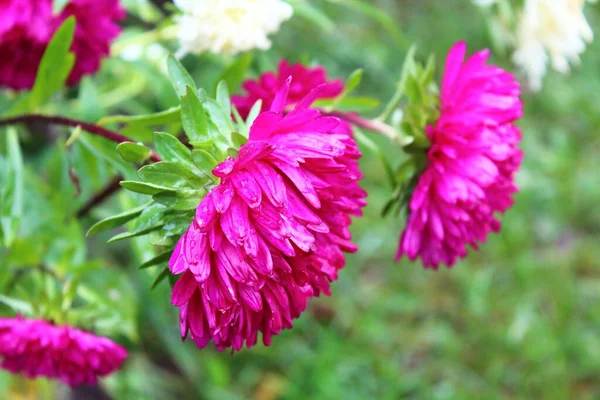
273 233
26 27
38 348
304 80
471 163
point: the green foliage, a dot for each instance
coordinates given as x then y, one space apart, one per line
236 73
516 319
11 195
53 71
134 152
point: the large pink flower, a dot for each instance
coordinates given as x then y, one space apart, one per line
304 80
471 163
272 234
37 348
26 27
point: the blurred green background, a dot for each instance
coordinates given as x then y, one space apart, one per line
518 319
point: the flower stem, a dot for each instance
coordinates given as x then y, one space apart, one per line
114 184
86 126
371 125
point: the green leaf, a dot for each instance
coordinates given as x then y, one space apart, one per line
223 97
129 235
254 111
408 68
238 139
235 73
172 150
204 161
221 120
133 152
354 103
160 277
68 293
313 14
160 118
179 76
353 81
11 195
145 188
413 89
172 175
193 116
159 259
351 84
55 66
116 220
373 11
181 201
18 306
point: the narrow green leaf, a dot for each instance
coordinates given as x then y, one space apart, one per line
414 91
172 150
179 76
235 73
11 195
223 97
351 84
179 201
354 103
116 220
160 118
313 14
204 161
18 306
68 293
159 259
75 133
221 120
145 188
129 235
353 81
254 111
193 116
408 67
133 152
55 66
238 139
160 277
170 174
376 13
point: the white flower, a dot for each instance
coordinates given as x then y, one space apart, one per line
229 26
550 30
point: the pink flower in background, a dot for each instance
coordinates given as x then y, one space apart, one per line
38 348
273 233
304 80
27 26
471 163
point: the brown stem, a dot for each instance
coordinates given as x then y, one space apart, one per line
54 120
99 197
113 185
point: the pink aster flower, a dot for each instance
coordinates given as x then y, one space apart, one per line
304 80
471 163
273 233
26 27
38 348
